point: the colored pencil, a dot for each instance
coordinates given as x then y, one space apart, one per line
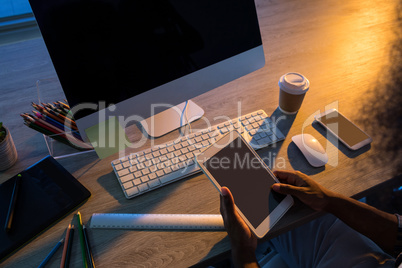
88 248
11 208
66 245
55 120
69 246
82 239
48 257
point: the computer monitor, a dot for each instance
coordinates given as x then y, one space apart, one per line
146 56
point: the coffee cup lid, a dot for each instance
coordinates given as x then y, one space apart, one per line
294 83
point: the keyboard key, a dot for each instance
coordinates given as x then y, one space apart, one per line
118 167
191 148
132 191
137 182
177 153
143 187
140 166
153 169
152 176
148 163
177 146
160 173
175 167
144 178
167 170
198 139
123 172
126 164
253 132
126 178
205 143
264 141
156 154
182 165
224 130
128 185
148 151
116 162
168 178
145 171
185 144
154 183
138 174
278 133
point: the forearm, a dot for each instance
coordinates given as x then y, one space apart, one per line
379 226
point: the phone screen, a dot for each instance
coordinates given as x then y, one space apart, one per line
240 170
343 128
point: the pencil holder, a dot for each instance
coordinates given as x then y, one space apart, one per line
8 152
63 144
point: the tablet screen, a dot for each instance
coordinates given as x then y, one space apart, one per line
239 169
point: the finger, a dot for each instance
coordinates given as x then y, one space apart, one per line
289 177
288 189
227 204
228 199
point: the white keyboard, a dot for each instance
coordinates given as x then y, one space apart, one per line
155 167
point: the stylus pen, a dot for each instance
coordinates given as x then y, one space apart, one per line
11 208
50 255
88 248
69 246
82 240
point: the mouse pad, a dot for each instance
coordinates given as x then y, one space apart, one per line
47 192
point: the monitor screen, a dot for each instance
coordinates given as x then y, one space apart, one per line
113 50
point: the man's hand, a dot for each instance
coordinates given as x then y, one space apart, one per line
379 226
303 187
242 239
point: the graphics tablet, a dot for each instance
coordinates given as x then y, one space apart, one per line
47 192
231 162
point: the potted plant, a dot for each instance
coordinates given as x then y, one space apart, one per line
8 153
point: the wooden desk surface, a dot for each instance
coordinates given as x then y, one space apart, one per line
343 47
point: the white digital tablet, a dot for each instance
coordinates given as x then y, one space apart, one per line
231 162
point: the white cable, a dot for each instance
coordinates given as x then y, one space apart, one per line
184 112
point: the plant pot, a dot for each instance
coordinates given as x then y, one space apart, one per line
8 153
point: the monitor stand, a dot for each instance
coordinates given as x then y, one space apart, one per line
171 119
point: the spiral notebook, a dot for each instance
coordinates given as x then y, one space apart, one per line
47 192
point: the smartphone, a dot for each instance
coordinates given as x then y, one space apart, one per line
348 133
231 162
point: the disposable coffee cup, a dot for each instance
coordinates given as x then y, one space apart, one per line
292 89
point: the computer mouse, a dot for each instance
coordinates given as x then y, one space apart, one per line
311 149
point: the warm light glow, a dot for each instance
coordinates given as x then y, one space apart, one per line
358 40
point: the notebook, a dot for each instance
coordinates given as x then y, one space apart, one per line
47 192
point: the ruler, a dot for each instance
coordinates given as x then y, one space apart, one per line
157 221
